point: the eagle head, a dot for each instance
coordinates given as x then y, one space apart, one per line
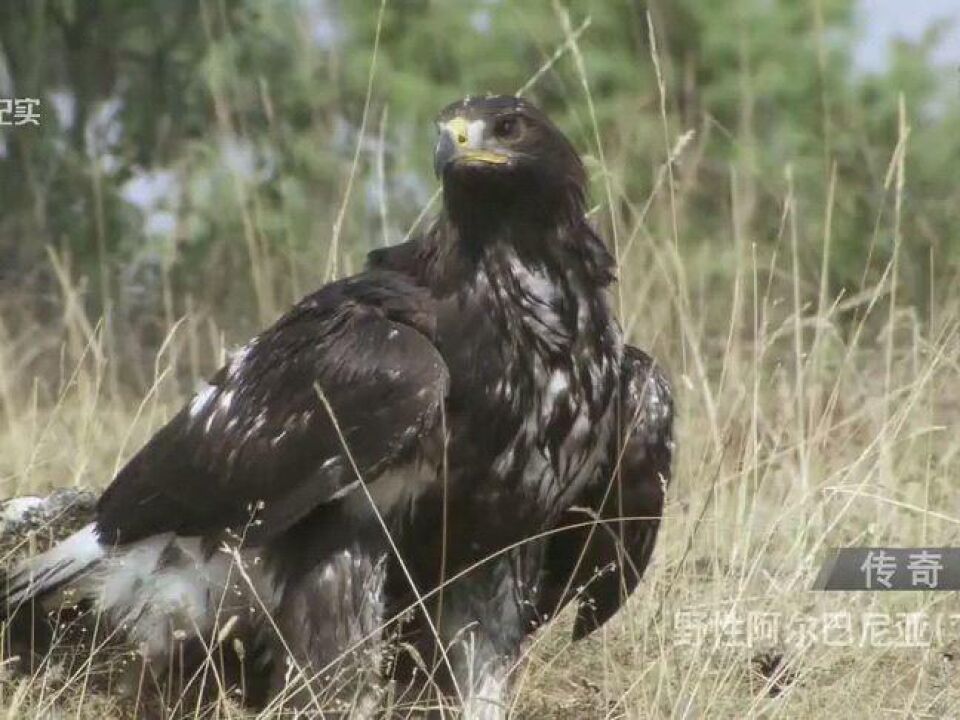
503 150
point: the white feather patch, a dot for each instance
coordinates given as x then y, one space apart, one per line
153 597
201 400
151 589
62 562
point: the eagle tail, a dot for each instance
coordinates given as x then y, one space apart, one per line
37 577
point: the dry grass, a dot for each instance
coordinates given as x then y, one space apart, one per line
805 422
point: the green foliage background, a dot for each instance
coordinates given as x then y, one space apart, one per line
196 154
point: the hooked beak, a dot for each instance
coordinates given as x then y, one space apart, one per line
462 141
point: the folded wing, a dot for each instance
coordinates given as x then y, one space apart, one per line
348 381
599 561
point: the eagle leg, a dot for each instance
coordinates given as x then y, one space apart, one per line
329 647
483 621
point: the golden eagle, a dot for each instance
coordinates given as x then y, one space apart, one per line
457 437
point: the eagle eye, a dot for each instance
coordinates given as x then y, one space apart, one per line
507 126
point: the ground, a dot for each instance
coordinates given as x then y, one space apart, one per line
799 429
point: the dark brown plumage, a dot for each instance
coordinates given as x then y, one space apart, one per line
482 392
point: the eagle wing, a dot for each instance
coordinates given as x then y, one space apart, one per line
260 439
600 564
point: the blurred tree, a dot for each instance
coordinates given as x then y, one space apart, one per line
204 148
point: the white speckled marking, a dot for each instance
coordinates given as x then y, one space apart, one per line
559 383
238 358
226 398
202 399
